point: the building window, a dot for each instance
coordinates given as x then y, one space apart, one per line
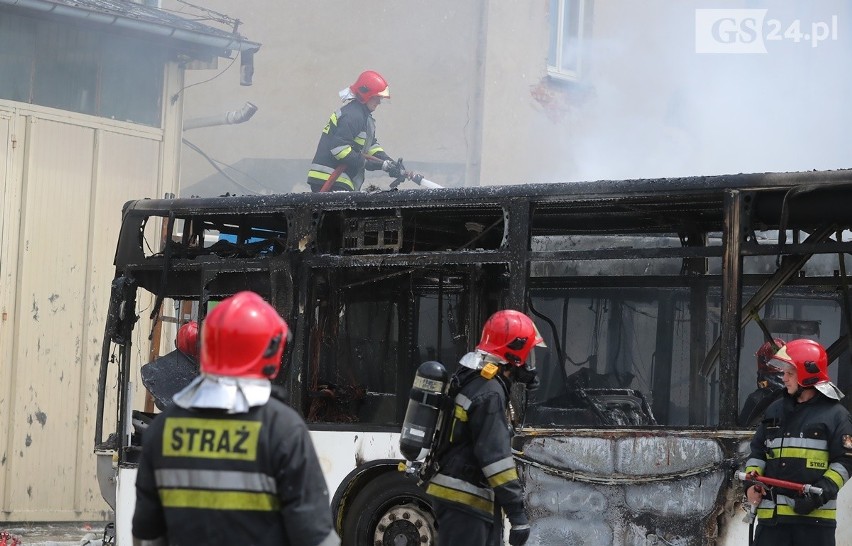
72 68
567 29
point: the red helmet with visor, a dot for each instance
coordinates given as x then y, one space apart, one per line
368 85
243 336
510 335
811 363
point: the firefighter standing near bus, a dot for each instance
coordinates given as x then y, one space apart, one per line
476 474
805 437
226 463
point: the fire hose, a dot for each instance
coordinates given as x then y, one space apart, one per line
332 178
403 175
751 513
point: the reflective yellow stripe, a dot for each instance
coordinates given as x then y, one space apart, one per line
331 121
498 466
503 477
835 477
342 179
218 500
461 497
359 140
784 510
460 413
375 149
211 438
815 455
346 150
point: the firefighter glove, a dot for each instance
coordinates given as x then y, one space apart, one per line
395 169
520 532
387 164
829 489
809 502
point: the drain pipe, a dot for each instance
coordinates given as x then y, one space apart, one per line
228 118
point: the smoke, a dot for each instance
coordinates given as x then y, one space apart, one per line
659 108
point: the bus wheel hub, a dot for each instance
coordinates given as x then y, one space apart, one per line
405 525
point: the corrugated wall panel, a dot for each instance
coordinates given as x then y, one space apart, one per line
9 205
47 361
64 186
127 168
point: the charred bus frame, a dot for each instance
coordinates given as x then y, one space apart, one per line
445 259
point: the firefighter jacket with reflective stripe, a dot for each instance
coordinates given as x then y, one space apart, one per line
350 132
477 467
809 442
208 477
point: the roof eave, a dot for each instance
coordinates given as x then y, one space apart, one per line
222 43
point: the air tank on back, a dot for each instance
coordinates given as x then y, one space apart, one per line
424 408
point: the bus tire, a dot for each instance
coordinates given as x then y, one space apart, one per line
390 510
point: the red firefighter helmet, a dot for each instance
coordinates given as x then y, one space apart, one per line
368 85
510 335
808 357
765 354
811 363
768 375
187 339
243 336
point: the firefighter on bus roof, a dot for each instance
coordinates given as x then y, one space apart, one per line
348 145
805 437
226 463
477 474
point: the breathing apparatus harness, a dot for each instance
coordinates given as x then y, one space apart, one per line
425 437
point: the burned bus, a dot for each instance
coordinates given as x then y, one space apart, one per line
653 297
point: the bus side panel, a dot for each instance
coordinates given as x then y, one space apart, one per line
621 487
340 452
126 504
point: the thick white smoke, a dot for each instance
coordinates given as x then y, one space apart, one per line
677 112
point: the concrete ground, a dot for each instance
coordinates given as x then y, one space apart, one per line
57 534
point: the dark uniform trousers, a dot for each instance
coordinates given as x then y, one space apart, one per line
455 523
794 535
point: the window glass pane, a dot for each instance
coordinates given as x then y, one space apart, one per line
66 72
354 359
564 48
571 37
132 82
787 316
81 70
554 32
450 334
627 356
17 49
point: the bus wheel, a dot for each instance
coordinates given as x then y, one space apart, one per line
390 511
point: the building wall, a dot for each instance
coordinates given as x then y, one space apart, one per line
430 53
472 103
65 178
